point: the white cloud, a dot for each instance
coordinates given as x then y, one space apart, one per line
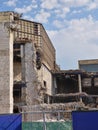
28 17
76 11
25 9
75 3
81 2
42 17
88 4
34 4
62 7
11 2
58 24
34 1
57 11
92 6
52 33
49 4
78 41
62 12
65 10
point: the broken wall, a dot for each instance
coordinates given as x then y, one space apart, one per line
30 75
38 81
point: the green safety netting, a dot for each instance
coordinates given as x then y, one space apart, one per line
49 125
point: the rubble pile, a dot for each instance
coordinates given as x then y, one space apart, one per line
62 106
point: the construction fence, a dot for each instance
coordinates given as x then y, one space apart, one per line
36 120
50 120
47 120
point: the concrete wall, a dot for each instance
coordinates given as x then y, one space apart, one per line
6 69
46 78
85 62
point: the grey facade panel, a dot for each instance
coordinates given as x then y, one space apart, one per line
89 67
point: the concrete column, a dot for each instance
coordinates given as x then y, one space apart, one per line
23 93
54 85
11 70
30 75
23 61
80 86
48 99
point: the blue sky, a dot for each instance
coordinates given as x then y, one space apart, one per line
72 26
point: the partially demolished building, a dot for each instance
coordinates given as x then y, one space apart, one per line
29 74
27 58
